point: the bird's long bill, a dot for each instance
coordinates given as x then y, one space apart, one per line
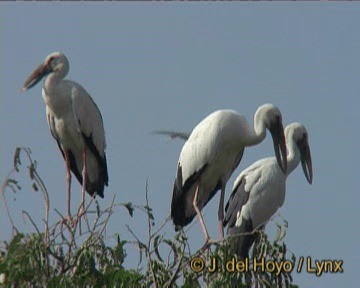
277 133
36 76
306 160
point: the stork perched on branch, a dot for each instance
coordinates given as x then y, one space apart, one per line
211 154
259 190
76 124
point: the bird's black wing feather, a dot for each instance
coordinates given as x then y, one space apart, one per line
90 123
238 199
179 197
103 177
241 244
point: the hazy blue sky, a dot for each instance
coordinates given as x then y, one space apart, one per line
155 66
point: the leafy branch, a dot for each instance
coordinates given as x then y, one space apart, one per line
60 254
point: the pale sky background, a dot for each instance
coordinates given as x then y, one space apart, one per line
152 66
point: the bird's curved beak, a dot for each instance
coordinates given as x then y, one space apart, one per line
306 159
277 133
41 71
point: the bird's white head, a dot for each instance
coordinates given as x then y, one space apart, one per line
297 133
55 62
269 116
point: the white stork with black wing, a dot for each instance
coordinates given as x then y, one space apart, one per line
76 124
259 190
211 154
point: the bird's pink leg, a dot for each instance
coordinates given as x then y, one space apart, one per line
82 205
68 184
221 213
198 212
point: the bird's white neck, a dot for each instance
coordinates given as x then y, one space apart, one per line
293 157
55 95
257 134
52 81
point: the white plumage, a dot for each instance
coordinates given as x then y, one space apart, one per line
259 190
210 155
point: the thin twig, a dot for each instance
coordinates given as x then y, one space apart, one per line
107 218
3 189
172 280
71 231
32 222
148 254
47 203
161 227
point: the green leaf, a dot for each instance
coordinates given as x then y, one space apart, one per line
130 208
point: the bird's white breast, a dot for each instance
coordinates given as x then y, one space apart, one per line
270 189
57 96
267 191
65 126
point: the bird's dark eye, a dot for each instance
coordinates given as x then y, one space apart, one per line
51 60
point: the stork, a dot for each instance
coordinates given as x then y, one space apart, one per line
76 124
259 190
210 155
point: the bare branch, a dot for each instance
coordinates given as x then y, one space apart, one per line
3 189
32 221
